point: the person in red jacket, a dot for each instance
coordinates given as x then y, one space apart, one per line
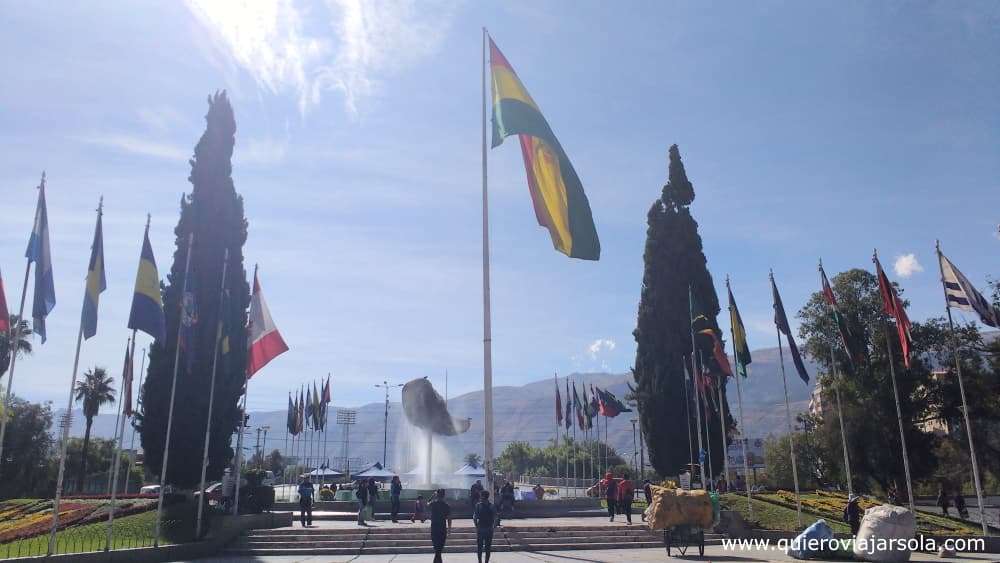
609 485
626 494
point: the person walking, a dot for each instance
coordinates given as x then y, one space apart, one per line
475 491
892 494
507 498
609 487
372 497
960 508
395 489
306 491
484 516
626 494
361 493
440 523
647 492
852 513
942 500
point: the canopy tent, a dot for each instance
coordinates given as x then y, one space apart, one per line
322 472
471 471
377 472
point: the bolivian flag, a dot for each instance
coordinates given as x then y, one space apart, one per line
147 307
560 204
96 282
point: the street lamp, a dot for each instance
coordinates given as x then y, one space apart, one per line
385 438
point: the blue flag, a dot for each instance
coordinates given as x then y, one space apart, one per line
96 282
147 306
38 252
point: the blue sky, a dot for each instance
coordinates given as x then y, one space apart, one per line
809 130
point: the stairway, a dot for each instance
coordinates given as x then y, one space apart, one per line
361 541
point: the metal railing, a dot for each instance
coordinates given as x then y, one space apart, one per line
93 538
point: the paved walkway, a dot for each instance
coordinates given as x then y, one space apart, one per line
507 522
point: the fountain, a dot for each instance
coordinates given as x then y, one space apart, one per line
427 413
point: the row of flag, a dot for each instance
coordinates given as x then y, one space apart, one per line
309 409
600 402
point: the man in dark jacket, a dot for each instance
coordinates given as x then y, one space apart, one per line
475 491
626 494
852 514
361 493
306 491
440 523
647 491
484 516
372 497
395 489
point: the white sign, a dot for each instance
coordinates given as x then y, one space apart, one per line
755 450
685 480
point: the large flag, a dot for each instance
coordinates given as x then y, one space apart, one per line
4 313
781 321
559 412
707 339
610 405
893 306
569 405
264 340
741 350
961 294
127 372
557 194
96 282
147 305
38 252
851 346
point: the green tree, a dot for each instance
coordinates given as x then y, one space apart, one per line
27 450
674 262
94 391
473 460
23 345
213 212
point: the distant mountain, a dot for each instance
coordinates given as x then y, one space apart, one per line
522 413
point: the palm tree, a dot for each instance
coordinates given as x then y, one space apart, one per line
473 460
95 390
23 329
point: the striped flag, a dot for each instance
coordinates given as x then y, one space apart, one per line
38 252
147 306
741 350
961 294
264 340
96 282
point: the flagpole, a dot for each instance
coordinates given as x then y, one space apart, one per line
118 421
487 333
899 412
836 388
708 420
119 439
211 393
788 421
555 378
576 447
173 392
131 445
68 417
15 338
961 390
238 466
723 429
739 399
697 392
687 417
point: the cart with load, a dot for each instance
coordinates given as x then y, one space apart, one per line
682 516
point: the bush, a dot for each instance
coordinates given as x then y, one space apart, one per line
326 494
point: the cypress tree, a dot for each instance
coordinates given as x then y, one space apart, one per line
213 211
674 261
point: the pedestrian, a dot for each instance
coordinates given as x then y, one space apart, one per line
942 499
852 514
609 486
647 492
723 484
372 497
440 523
892 494
507 498
395 489
539 491
306 490
626 494
960 508
361 493
484 517
419 510
475 491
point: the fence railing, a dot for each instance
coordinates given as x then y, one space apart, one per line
93 538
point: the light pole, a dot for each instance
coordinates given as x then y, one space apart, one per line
346 418
635 446
263 448
385 438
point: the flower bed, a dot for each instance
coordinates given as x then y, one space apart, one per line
26 518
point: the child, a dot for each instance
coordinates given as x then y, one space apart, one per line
419 510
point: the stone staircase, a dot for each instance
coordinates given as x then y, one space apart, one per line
362 541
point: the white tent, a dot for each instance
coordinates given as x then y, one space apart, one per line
471 471
376 471
322 472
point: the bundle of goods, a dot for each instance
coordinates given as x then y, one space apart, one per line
677 507
884 533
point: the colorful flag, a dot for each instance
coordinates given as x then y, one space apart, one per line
317 409
576 409
707 338
961 294
781 321
557 194
559 412
595 404
127 372
610 405
4 313
147 305
588 415
325 400
893 306
310 404
264 340
290 417
39 253
851 346
741 350
96 282
569 404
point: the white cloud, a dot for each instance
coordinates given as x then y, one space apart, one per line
136 145
906 265
279 43
599 346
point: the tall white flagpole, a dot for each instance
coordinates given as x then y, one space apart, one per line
739 398
965 406
788 421
131 446
836 379
15 337
119 439
66 422
487 337
697 392
173 392
211 393
238 458
117 444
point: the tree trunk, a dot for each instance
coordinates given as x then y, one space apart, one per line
83 461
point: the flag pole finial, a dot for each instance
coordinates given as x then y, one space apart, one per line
148 219
100 205
821 264
42 184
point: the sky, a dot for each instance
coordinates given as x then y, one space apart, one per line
810 130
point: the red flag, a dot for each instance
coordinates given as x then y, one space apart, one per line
326 391
127 383
4 314
893 307
264 340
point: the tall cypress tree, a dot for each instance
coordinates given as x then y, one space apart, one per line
674 262
213 211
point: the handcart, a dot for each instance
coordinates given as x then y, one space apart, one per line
684 536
